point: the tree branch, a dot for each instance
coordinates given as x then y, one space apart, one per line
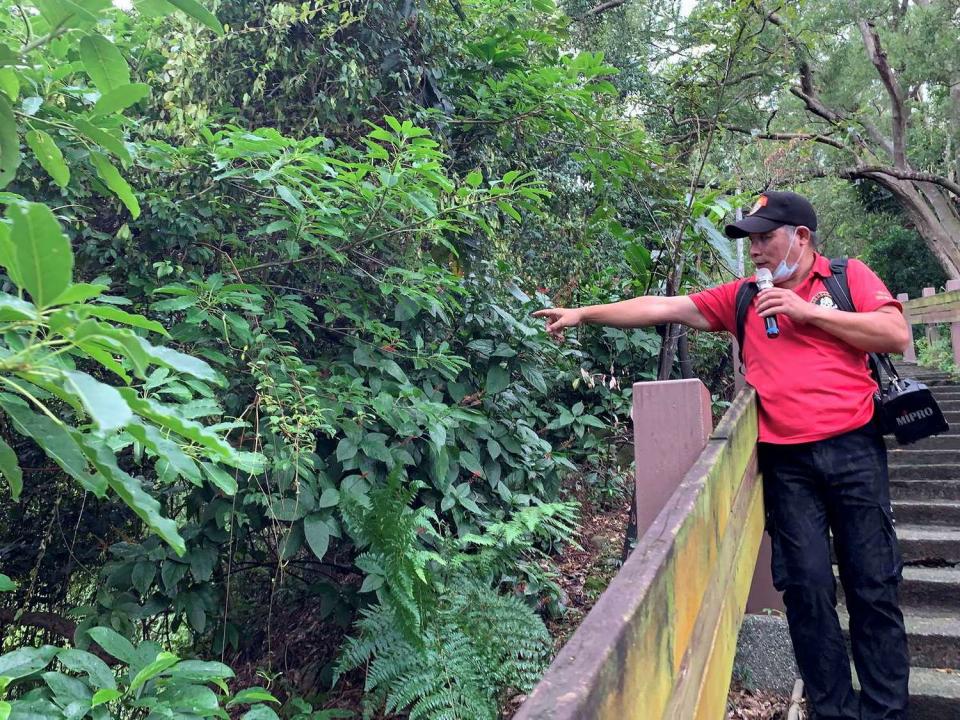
902 174
603 7
898 106
789 136
46 620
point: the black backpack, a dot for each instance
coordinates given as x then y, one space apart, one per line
904 407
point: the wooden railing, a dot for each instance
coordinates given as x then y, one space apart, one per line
659 643
933 308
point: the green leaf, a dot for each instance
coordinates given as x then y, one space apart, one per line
202 562
8 254
114 643
509 210
108 312
200 13
96 669
169 418
720 243
9 143
130 491
200 671
25 661
103 62
9 83
105 695
143 575
252 695
497 379
471 463
13 309
10 469
66 688
6 584
43 256
56 442
329 498
110 143
221 478
371 583
78 293
164 660
106 407
318 534
49 156
290 197
180 362
120 98
5 709
259 712
114 180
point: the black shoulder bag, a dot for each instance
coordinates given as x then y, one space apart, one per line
904 406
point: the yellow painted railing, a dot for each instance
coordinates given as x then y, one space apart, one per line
659 644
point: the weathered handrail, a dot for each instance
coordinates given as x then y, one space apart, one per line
932 308
659 643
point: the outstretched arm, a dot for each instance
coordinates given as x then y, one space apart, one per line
636 312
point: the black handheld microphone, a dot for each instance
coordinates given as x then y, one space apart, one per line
764 281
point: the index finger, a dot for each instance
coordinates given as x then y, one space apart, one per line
543 313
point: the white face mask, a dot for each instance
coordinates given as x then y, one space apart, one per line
784 271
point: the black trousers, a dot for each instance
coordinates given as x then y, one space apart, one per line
840 485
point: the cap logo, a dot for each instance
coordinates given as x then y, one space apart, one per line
760 203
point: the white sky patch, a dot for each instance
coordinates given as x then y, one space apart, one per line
125 5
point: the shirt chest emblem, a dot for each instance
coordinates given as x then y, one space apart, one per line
823 299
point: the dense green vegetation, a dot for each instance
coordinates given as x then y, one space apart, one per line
272 398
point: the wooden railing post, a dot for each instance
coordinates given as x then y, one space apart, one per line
671 425
910 355
931 330
954 326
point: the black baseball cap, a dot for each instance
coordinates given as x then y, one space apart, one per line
772 210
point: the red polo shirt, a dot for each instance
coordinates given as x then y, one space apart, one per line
811 384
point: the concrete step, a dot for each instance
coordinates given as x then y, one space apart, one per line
930 512
911 455
948 405
919 543
901 470
934 641
931 590
934 693
923 490
947 441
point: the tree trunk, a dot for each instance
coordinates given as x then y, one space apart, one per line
935 215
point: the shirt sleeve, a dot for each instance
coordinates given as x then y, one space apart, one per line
867 290
717 306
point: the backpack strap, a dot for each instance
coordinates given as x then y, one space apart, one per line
745 294
837 285
839 290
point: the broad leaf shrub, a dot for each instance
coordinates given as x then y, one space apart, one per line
359 414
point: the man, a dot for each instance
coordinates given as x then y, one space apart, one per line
824 464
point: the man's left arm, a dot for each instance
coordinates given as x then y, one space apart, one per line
883 330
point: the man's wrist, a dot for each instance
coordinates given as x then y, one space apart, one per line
817 314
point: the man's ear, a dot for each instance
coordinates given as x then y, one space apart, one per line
803 235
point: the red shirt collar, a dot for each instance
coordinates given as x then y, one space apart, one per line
821 266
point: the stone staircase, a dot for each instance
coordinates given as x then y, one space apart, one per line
925 490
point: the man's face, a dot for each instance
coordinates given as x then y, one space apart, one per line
769 248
